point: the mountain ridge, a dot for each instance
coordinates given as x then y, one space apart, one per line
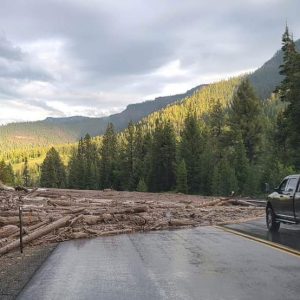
69 129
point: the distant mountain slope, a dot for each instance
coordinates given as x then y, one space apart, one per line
199 104
70 129
138 111
267 77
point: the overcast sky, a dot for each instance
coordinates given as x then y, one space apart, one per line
93 57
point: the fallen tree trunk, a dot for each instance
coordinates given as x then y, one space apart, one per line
3 241
79 235
131 210
8 230
15 213
36 226
240 202
9 213
15 220
109 232
60 203
92 220
36 234
211 203
4 187
75 220
27 230
160 225
181 222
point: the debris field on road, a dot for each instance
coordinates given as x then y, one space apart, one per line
55 215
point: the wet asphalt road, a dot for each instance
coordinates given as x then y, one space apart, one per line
201 263
288 235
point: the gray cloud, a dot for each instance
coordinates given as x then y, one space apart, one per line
16 64
22 71
40 104
97 56
8 50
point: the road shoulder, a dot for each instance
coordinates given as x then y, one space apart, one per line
17 269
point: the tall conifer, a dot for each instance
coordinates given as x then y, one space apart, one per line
181 178
289 91
53 172
108 159
191 146
245 119
163 158
26 173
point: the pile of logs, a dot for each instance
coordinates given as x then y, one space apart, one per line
58 215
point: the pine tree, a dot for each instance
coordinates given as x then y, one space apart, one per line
274 170
127 159
181 178
139 154
208 161
142 186
216 120
2 170
53 174
108 160
18 178
163 158
89 157
241 166
10 176
80 165
289 91
245 119
75 170
6 173
146 163
251 186
287 69
281 137
26 173
224 180
215 144
191 146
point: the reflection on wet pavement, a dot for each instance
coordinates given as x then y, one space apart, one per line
288 235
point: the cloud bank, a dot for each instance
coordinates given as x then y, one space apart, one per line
63 58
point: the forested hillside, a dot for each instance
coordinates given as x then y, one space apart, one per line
52 131
34 134
199 104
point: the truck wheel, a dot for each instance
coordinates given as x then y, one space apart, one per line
272 224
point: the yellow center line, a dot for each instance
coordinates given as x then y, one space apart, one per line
259 240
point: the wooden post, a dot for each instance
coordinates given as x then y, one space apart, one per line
21 229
